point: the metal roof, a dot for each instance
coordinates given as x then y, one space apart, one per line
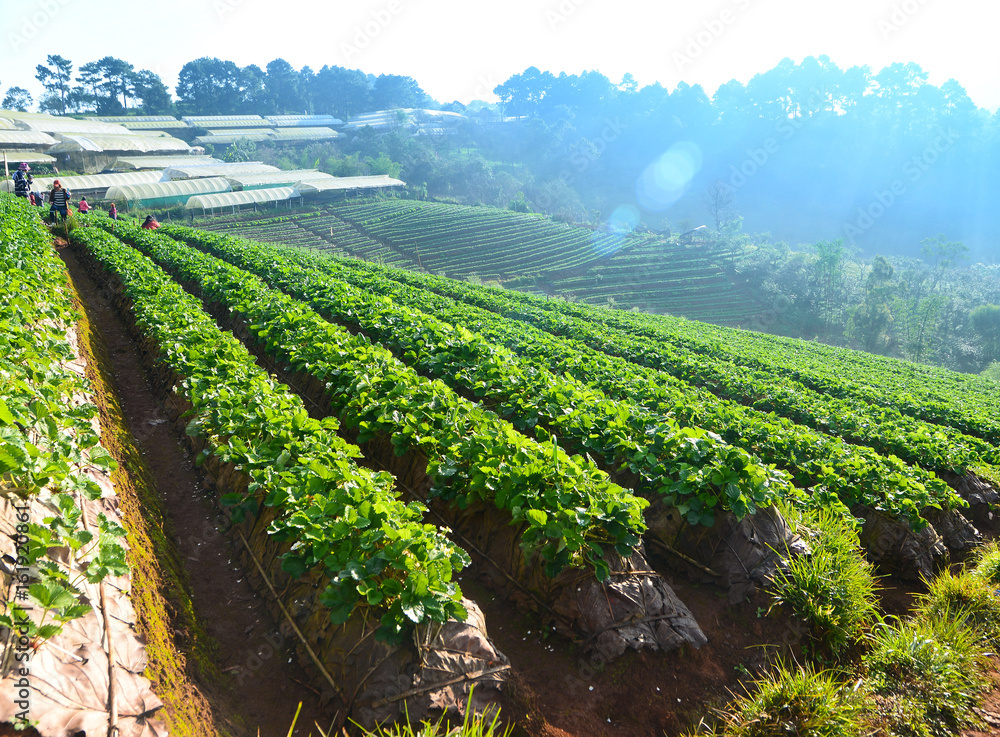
248 197
217 170
94 182
344 183
160 190
162 162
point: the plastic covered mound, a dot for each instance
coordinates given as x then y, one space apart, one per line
634 608
740 555
64 685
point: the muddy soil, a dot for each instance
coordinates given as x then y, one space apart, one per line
266 685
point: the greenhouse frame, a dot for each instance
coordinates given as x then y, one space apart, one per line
217 170
89 184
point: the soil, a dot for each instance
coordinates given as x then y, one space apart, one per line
265 687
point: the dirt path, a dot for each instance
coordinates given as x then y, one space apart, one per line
250 646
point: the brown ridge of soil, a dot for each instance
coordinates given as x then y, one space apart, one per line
260 689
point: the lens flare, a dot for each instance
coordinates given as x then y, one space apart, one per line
667 179
623 221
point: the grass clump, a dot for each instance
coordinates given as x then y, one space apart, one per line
967 598
799 702
832 589
987 564
925 673
474 725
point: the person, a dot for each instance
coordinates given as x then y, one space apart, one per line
112 211
58 201
84 206
150 223
22 180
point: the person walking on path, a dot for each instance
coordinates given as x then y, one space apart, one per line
58 201
22 180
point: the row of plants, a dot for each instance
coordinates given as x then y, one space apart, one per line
343 521
569 509
828 466
688 468
883 429
48 442
933 394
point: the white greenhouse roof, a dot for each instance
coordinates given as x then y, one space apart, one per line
139 144
241 132
93 182
156 190
248 197
162 162
32 157
225 140
132 118
217 170
286 176
305 133
141 125
307 120
71 126
225 121
26 138
345 183
6 124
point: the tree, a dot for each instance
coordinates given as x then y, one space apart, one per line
242 149
108 84
283 92
719 202
55 80
17 98
985 320
395 91
340 91
210 86
829 269
151 93
870 322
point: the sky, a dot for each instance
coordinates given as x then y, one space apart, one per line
461 49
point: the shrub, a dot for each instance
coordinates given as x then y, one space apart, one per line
987 564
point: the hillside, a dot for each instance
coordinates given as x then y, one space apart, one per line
645 271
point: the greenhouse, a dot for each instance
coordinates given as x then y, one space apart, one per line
141 125
303 120
12 139
91 184
70 126
313 186
7 125
31 157
217 170
166 194
224 121
236 200
275 179
162 162
133 118
140 144
305 134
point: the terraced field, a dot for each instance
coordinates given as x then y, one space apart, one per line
530 253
